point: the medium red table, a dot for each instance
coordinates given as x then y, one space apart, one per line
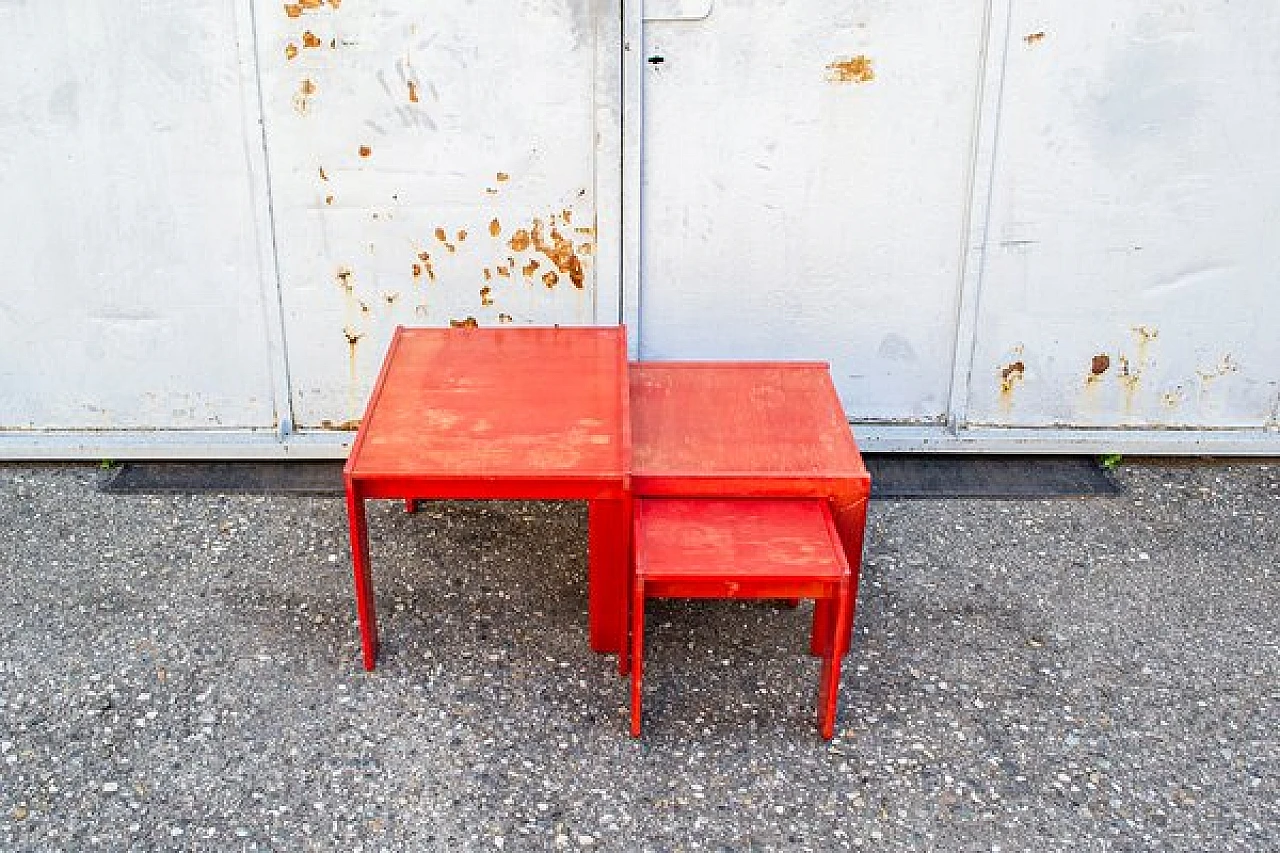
505 413
750 429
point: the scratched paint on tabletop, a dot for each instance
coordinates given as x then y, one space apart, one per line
433 164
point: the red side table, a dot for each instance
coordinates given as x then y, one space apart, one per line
751 429
505 413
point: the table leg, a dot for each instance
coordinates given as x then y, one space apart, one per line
364 580
851 523
608 549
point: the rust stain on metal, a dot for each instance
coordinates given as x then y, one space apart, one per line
302 98
503 176
413 92
290 51
443 237
495 228
567 216
390 297
310 39
323 176
857 69
344 276
560 252
486 296
466 323
503 270
293 10
530 268
1224 366
1100 363
365 150
585 229
505 318
345 426
550 279
426 265
488 274
1145 334
462 235
585 248
417 270
1034 38
1010 375
353 340
335 4
520 240
328 199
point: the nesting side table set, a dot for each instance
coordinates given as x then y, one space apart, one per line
703 479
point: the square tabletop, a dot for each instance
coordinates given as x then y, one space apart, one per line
498 403
742 429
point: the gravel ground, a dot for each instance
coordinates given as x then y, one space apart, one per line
182 673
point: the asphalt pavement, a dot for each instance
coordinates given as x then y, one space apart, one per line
180 672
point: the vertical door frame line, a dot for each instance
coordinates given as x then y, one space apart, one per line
607 168
259 162
983 155
632 58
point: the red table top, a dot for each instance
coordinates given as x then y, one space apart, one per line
726 539
506 403
745 428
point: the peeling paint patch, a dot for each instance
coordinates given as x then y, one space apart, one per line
426 265
495 228
290 51
310 39
503 176
365 150
857 69
550 279
530 268
486 296
413 92
1034 38
466 323
344 276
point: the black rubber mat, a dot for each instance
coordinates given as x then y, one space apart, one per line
257 478
944 476
892 476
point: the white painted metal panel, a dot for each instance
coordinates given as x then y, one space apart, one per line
805 190
432 163
130 295
1133 259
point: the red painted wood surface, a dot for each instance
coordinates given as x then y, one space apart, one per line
746 548
750 429
509 413
510 404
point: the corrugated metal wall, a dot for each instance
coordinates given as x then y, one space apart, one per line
1009 225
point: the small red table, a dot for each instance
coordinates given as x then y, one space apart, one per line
750 429
505 413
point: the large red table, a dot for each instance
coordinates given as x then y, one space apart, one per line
507 413
750 429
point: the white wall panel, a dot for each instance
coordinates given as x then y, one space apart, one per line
1133 263
432 163
130 288
805 190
